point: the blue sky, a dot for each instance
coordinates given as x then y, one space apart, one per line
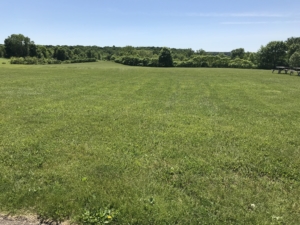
212 25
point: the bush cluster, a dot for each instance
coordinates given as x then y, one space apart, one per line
136 61
34 60
83 60
197 61
216 62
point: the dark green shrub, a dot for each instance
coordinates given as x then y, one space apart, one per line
188 63
83 60
165 58
153 62
132 60
295 59
204 64
118 60
240 63
146 61
54 61
17 60
30 60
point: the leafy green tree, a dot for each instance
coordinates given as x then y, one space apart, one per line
91 54
60 54
165 58
221 55
239 52
178 56
78 53
295 59
252 57
240 63
145 53
155 50
272 55
128 50
292 41
292 49
69 53
2 51
189 52
221 61
32 50
201 52
17 45
42 51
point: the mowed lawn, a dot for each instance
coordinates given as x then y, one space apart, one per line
155 145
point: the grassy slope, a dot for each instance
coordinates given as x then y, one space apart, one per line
205 144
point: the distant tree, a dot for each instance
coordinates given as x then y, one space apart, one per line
60 54
17 45
292 40
201 52
165 57
293 45
2 51
252 57
179 56
128 50
295 59
145 53
292 49
221 60
32 50
78 53
272 55
221 55
91 54
155 50
239 52
240 63
189 52
42 51
49 52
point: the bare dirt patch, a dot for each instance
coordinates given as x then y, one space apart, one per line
25 220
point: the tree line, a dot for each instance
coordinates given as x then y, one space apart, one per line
20 49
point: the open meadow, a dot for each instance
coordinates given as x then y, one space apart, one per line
149 145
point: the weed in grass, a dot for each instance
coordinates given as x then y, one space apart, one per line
99 217
54 213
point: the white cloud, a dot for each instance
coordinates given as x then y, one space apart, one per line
261 22
237 15
211 14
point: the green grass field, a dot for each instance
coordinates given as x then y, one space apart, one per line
155 145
